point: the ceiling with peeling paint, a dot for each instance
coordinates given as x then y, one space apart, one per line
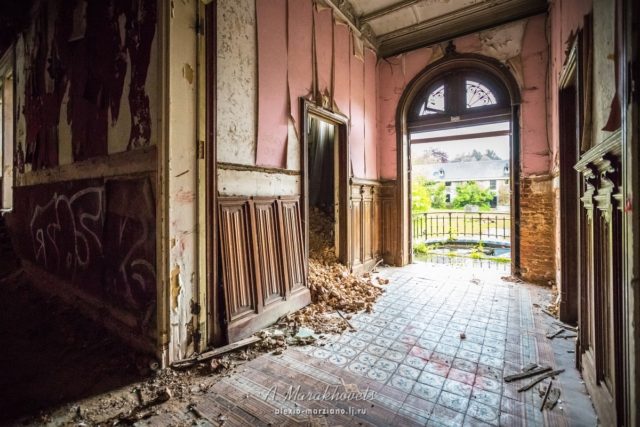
396 26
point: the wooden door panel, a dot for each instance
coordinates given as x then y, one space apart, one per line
367 225
267 254
292 244
263 267
237 269
356 232
600 253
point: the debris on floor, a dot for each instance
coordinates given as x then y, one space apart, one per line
542 377
550 396
512 279
562 331
554 307
526 373
333 288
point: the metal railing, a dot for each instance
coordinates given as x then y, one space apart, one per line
461 226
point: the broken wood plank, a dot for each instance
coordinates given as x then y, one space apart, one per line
554 396
527 374
540 378
546 395
529 367
188 363
227 348
568 336
555 333
565 326
345 319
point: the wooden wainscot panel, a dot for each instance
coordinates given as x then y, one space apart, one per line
292 245
376 224
389 222
263 266
356 228
365 223
237 269
267 252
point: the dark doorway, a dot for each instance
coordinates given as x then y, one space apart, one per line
325 183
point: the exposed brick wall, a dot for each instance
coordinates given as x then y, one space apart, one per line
537 230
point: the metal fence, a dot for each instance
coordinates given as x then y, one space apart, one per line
461 226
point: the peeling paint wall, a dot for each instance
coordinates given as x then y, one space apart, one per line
85 159
83 90
182 175
258 99
521 45
237 81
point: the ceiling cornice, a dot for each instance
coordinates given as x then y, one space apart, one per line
461 22
344 9
387 10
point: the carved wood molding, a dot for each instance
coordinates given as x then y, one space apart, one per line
600 168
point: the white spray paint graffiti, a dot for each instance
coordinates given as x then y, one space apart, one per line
53 223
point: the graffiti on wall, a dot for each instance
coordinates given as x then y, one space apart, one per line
85 59
66 232
97 235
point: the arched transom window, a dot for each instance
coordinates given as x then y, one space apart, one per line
459 95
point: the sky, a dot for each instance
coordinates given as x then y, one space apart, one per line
499 144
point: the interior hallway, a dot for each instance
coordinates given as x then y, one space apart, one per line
409 352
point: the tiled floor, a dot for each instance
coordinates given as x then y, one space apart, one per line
411 363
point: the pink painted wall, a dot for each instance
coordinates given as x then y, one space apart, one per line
285 73
272 83
526 54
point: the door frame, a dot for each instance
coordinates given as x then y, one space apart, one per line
570 121
211 309
308 108
453 61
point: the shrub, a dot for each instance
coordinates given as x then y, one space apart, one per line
470 193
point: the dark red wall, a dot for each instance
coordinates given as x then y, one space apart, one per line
98 235
92 69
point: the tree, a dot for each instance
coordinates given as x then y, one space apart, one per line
491 155
476 155
437 194
470 193
420 199
426 194
439 155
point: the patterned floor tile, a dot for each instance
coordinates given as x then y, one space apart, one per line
408 372
431 379
453 401
402 383
386 365
378 374
426 392
367 358
484 413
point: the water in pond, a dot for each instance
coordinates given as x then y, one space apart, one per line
461 257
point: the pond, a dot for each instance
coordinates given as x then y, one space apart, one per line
499 260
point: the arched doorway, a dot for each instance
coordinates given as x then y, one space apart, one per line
451 96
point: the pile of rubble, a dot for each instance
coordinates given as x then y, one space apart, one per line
333 288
